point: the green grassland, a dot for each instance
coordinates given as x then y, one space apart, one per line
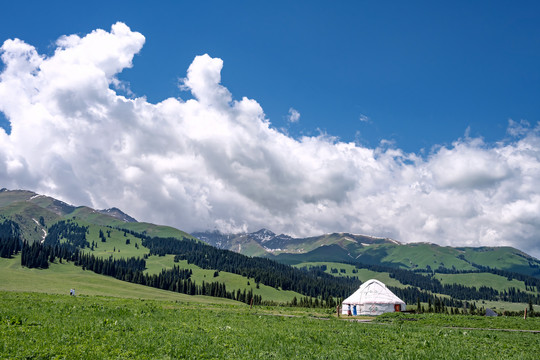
497 282
11 196
60 278
41 326
327 239
422 255
361 274
91 216
115 246
234 282
251 249
115 243
513 260
501 306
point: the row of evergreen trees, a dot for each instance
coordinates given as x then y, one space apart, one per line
456 291
313 283
9 246
309 302
69 231
66 238
35 256
38 255
531 282
268 272
10 243
462 292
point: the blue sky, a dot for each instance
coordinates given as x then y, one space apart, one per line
422 72
416 120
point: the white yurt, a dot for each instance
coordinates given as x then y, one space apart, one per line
372 298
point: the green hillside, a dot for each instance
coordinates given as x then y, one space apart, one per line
26 208
118 244
349 270
347 257
60 278
28 216
91 216
477 280
108 237
333 253
10 196
234 281
363 249
498 282
421 256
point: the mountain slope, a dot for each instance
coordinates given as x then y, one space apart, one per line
60 277
110 238
352 248
265 242
107 245
26 208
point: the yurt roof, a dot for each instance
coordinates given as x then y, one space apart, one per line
373 292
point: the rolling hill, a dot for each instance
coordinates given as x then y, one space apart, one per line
362 249
110 237
26 208
36 213
325 266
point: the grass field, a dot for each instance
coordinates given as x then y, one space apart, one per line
115 243
362 274
155 264
60 278
497 282
41 326
421 255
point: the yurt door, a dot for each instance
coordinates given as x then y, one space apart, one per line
397 307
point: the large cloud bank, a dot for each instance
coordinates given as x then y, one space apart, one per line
215 162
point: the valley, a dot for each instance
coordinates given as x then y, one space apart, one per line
327 267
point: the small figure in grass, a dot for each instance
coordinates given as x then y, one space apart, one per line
72 292
349 313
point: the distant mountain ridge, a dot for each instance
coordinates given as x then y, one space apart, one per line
364 249
264 241
35 213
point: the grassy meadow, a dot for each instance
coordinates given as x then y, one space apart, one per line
45 326
497 282
155 264
117 247
111 319
347 270
60 278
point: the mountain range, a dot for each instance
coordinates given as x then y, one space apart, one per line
35 213
370 250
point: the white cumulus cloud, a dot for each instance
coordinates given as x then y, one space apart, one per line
216 162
